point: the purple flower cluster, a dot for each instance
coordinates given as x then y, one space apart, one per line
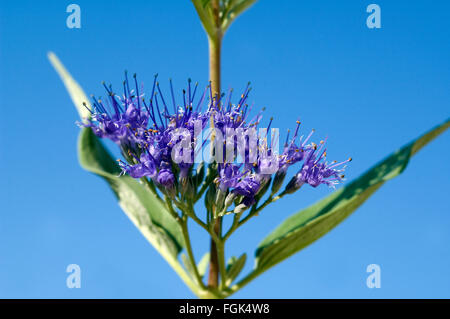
162 145
147 132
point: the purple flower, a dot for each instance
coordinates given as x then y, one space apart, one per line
314 171
292 153
144 167
229 176
226 115
120 119
160 138
166 177
248 186
145 126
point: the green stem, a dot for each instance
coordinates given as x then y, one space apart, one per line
245 281
221 260
202 190
236 223
171 209
233 227
213 278
191 213
184 276
256 211
187 240
215 45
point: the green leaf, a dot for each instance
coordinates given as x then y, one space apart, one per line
234 268
203 264
140 205
75 91
229 11
206 18
205 3
303 228
235 9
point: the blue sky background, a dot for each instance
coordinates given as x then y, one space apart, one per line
370 91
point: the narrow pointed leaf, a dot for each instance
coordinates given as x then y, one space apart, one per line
236 9
206 19
235 266
303 228
75 91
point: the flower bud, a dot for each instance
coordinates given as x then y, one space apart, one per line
263 189
230 199
292 186
200 174
238 199
278 181
245 204
186 187
239 209
211 172
169 191
220 197
210 197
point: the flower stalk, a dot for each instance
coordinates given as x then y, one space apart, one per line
215 47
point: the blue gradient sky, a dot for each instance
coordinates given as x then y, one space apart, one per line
370 91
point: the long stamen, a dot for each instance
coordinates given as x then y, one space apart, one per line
166 110
189 92
127 86
308 137
287 138
86 106
173 96
157 108
195 91
137 92
201 100
338 164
